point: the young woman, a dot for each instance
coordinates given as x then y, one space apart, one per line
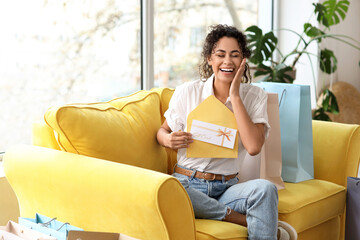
211 183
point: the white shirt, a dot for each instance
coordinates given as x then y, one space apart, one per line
188 96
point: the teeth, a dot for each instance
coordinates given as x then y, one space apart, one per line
226 69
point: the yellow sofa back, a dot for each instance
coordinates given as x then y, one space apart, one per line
122 130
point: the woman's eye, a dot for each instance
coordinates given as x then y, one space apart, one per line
220 55
235 56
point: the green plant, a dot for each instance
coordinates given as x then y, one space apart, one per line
329 13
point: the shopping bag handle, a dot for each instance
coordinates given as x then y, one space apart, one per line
46 224
281 98
282 94
62 226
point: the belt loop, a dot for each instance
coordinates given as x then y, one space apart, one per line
174 167
193 174
223 179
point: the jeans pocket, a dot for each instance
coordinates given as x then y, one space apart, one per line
232 181
199 184
184 180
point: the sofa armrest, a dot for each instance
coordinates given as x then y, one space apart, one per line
43 135
336 151
99 195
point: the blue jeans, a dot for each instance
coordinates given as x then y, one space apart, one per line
257 199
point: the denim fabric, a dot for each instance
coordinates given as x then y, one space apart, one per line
257 199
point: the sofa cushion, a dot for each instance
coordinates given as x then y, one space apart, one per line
212 229
306 204
165 96
121 130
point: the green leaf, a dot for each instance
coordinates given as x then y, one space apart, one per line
312 31
280 73
328 61
333 106
263 70
320 11
320 114
329 102
335 10
261 45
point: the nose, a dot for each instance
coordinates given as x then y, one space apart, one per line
227 59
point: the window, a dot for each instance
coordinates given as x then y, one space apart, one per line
180 27
55 52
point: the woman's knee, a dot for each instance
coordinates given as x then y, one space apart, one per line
265 188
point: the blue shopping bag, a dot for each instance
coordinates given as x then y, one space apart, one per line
295 130
48 226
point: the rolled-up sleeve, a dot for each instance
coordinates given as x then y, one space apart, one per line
258 112
175 114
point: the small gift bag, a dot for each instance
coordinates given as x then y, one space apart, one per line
14 231
49 226
352 226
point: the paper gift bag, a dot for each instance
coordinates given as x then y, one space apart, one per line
212 111
296 130
85 235
268 164
14 231
49 226
352 226
271 160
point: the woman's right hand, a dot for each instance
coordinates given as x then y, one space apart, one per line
173 140
176 140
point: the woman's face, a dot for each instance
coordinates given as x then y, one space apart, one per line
225 59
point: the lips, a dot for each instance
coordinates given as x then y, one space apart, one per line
229 70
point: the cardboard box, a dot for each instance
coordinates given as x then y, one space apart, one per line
85 235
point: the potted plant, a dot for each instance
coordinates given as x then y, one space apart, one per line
329 13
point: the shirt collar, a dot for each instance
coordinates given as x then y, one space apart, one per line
209 88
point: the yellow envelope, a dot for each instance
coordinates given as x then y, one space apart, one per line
211 110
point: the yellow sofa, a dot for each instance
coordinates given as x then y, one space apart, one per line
99 167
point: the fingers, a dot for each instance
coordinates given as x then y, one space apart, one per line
180 140
235 84
241 69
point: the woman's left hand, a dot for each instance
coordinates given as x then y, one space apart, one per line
235 84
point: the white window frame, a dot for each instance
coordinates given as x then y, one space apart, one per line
265 21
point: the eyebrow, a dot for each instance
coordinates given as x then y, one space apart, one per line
233 51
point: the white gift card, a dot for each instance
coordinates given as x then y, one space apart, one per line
214 134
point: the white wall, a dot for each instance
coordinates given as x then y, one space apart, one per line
292 14
348 57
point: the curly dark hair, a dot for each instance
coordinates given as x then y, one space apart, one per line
217 32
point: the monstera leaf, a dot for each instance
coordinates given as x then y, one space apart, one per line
320 114
330 12
261 45
312 31
280 73
328 61
328 104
